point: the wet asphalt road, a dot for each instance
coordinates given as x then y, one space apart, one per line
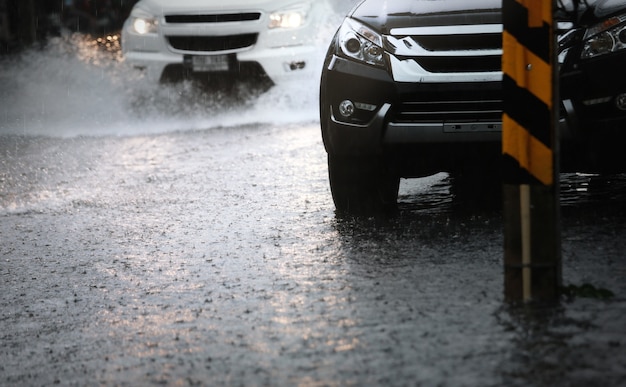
214 257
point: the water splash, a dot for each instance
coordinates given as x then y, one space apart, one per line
78 85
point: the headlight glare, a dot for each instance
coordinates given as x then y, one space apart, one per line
290 19
361 43
604 38
144 25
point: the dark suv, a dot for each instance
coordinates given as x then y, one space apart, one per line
413 87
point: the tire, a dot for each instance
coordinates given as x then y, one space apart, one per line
362 186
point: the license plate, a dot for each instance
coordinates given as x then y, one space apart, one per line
472 127
209 63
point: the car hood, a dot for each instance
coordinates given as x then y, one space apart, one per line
158 7
388 14
590 12
605 8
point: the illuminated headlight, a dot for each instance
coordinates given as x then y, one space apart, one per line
143 24
361 43
606 37
292 18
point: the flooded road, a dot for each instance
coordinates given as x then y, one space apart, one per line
203 249
214 257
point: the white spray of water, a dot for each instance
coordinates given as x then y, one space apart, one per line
74 87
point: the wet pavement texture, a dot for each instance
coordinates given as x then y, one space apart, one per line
214 257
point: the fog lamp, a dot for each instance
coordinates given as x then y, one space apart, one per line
346 108
620 101
293 66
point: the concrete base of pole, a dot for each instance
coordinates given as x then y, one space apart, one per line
532 246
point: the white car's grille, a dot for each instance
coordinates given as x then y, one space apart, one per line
212 18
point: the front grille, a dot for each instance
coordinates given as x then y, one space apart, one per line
449 111
213 18
244 71
451 106
212 43
450 49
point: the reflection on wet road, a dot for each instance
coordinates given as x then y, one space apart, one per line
214 257
162 235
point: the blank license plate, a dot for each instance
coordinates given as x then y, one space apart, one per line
209 63
472 127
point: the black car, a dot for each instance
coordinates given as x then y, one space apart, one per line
593 87
411 88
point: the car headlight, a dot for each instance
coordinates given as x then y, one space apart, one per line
291 18
606 37
359 42
142 23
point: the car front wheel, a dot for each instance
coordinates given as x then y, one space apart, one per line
362 185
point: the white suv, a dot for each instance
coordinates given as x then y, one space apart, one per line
273 37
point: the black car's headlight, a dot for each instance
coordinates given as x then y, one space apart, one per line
604 38
361 43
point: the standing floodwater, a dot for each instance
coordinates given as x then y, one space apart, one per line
163 235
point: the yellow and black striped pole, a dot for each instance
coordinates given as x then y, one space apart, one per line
530 148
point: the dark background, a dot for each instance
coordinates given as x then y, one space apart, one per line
27 22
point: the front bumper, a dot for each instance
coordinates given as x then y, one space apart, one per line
591 91
595 88
401 114
280 64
